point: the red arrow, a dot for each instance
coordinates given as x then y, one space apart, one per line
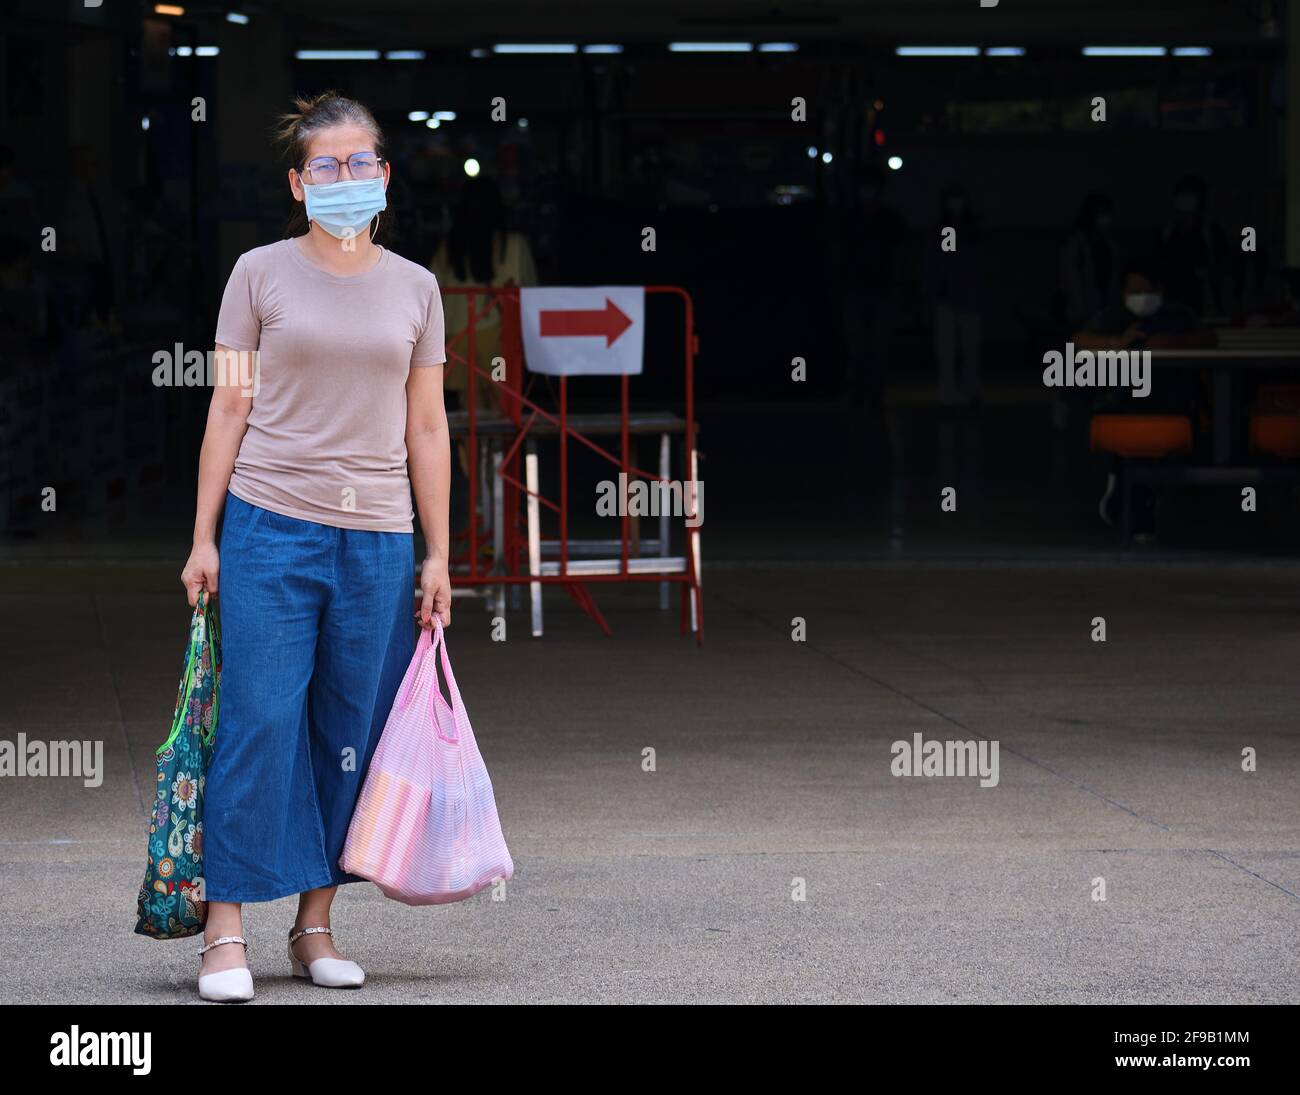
608 321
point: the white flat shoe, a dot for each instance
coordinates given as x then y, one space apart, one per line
330 973
227 986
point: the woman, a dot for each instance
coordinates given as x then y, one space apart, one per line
308 447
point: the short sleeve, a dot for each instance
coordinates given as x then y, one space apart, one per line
239 323
431 346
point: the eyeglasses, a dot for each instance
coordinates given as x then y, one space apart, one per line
361 165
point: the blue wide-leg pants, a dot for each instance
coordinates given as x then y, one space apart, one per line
317 631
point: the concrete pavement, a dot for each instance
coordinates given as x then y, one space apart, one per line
1118 761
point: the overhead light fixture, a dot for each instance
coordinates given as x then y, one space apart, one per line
168 9
445 115
1005 51
937 51
237 17
1193 51
603 48
337 55
535 47
895 163
1124 51
207 51
711 47
471 167
417 116
778 47
404 55
433 123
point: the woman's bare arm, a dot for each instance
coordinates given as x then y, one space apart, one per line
428 461
232 399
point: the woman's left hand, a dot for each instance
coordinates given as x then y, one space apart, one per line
435 585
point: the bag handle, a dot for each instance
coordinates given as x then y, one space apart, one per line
212 637
415 671
455 708
204 629
423 672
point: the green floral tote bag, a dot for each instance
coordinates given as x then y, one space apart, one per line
171 904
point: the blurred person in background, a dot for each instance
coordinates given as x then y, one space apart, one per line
1146 320
1090 262
869 275
1146 317
479 250
84 240
1090 281
1193 251
954 282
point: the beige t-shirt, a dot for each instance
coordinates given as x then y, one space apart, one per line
326 439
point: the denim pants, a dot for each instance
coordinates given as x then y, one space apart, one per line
317 630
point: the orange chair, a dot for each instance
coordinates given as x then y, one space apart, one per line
1141 436
1277 434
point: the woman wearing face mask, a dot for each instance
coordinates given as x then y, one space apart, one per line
308 453
1145 320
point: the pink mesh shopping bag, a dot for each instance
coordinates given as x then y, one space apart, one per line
425 830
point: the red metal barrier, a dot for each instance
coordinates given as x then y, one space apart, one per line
468 565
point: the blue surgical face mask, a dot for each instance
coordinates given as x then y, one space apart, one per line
1144 304
345 208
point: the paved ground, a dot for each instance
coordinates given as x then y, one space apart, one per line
1118 761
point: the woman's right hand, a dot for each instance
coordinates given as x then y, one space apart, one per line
200 571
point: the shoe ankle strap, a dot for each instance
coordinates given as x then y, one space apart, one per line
224 939
294 936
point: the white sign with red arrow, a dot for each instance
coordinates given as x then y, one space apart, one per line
584 332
